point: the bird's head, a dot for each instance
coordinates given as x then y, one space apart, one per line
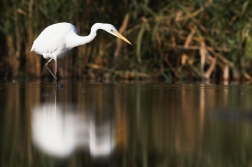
112 30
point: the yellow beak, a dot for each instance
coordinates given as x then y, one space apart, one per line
122 37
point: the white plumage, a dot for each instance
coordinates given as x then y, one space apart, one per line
53 41
57 40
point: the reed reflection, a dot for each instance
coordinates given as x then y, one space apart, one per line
135 125
59 130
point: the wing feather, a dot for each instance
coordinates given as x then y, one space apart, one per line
52 38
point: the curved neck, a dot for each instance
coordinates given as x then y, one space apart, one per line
77 40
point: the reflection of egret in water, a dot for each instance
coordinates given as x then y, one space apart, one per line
59 130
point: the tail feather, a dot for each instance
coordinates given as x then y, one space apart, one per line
33 47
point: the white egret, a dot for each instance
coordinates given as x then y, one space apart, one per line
57 40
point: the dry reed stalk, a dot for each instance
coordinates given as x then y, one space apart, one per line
33 61
184 58
246 75
226 72
119 72
171 67
203 54
121 30
22 21
188 40
211 68
221 57
196 71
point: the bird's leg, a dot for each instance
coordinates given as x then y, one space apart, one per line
54 76
56 73
49 68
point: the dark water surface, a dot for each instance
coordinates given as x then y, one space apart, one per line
128 125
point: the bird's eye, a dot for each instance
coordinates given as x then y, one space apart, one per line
111 30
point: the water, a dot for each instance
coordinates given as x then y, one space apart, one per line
118 124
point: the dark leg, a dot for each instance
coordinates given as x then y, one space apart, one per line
56 73
54 76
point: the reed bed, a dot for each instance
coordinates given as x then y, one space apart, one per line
172 40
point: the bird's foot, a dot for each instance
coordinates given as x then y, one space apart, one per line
59 85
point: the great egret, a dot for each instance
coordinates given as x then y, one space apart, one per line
57 40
